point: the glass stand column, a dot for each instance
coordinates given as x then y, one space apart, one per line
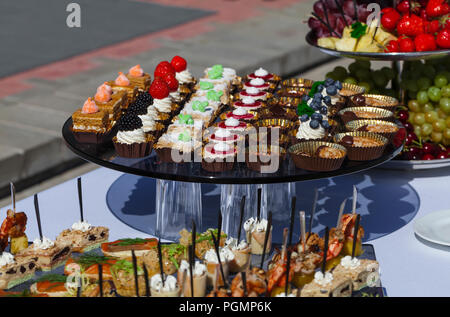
177 204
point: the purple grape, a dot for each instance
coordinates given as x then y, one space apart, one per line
318 9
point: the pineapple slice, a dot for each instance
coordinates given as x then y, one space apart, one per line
346 33
19 243
384 37
328 42
367 44
346 44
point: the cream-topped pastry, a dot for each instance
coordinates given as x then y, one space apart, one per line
122 80
219 150
199 279
254 93
184 77
323 279
169 288
241 253
130 137
43 244
233 124
163 105
224 135
248 103
306 132
262 73
257 83
6 258
255 231
82 226
212 265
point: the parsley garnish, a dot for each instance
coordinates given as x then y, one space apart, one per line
125 242
358 30
87 260
52 278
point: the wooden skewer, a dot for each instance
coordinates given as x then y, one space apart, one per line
38 215
13 196
80 198
283 247
302 230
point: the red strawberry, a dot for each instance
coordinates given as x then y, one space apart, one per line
425 42
432 26
163 68
159 89
437 8
392 47
406 44
389 20
171 81
444 22
443 39
178 63
410 25
404 6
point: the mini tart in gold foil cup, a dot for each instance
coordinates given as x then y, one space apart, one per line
293 92
283 124
378 114
349 90
381 101
265 137
298 82
291 102
276 111
256 159
304 156
355 125
134 150
363 153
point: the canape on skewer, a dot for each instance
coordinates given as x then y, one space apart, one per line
276 276
256 283
172 255
15 271
199 279
122 248
362 272
88 265
83 237
255 231
328 285
51 285
348 225
203 242
304 266
124 280
169 288
13 227
47 253
241 253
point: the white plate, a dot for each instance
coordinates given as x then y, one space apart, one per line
434 227
415 165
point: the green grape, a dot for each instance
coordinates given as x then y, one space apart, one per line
389 72
331 75
431 116
363 74
434 93
440 81
366 85
350 80
441 113
422 97
437 137
340 72
446 73
412 116
447 121
447 133
414 106
427 107
363 64
445 91
444 104
427 129
429 71
439 125
353 67
411 85
419 118
418 130
424 83
379 79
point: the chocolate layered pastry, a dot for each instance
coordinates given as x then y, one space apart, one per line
90 119
83 237
47 254
110 102
15 271
138 78
122 83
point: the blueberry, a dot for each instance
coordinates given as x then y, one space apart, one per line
338 85
314 124
317 117
327 99
329 82
320 88
304 118
318 96
305 98
332 90
325 125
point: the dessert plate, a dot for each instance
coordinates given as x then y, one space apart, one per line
434 227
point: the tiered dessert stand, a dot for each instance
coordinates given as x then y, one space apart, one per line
178 186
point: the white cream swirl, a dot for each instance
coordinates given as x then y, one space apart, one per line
130 137
261 72
43 244
226 255
350 263
175 95
232 122
81 226
6 258
306 132
199 268
148 123
240 111
184 77
170 283
323 280
163 105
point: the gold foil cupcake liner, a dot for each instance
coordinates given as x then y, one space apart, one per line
382 114
352 90
388 102
291 102
283 124
256 162
363 153
310 161
293 92
353 126
297 82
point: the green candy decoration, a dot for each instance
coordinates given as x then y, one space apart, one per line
215 72
204 85
185 119
184 136
198 105
214 95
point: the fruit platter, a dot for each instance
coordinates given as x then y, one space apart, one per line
408 30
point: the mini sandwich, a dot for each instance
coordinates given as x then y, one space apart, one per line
122 248
52 285
83 237
15 271
47 254
328 285
362 272
88 265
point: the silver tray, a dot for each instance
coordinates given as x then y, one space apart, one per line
415 165
312 40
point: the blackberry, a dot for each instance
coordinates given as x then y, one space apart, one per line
129 122
145 97
138 107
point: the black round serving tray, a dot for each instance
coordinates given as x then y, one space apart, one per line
150 166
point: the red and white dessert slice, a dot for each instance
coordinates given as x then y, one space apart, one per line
240 113
254 93
248 103
233 125
258 83
262 73
224 135
219 150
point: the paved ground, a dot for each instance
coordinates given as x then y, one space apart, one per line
243 34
